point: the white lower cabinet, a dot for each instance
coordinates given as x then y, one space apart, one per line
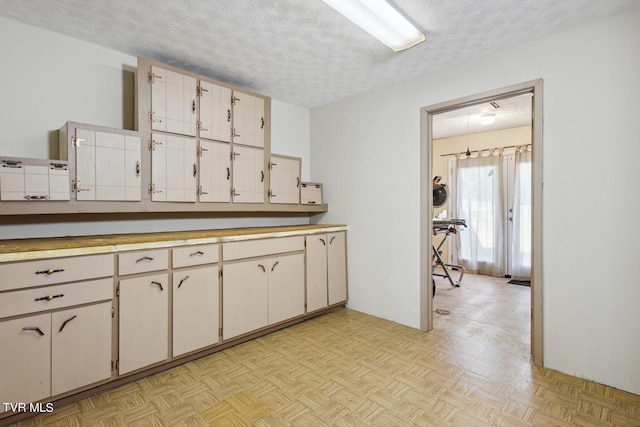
25 359
195 309
326 270
144 317
80 347
58 352
262 292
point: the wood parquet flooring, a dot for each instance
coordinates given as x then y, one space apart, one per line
351 369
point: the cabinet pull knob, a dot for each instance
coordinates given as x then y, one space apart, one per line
158 284
228 174
49 297
182 281
261 176
228 115
262 125
137 168
331 241
274 265
323 242
195 170
33 328
65 323
193 106
144 258
196 253
262 268
50 271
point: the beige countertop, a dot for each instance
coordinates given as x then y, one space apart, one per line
30 249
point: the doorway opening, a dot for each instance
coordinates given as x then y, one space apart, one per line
493 163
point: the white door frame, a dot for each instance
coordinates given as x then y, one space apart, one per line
426 202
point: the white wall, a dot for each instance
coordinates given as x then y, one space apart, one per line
366 151
49 79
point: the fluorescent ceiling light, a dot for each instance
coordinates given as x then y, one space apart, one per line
381 20
487 119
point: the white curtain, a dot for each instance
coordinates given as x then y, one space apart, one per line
479 201
521 242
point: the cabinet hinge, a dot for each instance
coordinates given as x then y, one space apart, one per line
117 295
201 90
118 364
200 151
220 333
76 141
270 166
113 365
152 144
234 99
113 312
200 192
220 273
152 77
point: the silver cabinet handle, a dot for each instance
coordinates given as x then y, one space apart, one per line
323 242
274 265
262 268
196 253
158 284
331 241
144 258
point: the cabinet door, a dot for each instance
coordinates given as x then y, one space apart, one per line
85 164
12 182
286 287
59 182
215 172
244 298
132 169
81 347
215 112
285 180
25 378
195 309
248 175
144 317
337 267
173 168
248 120
36 182
316 272
173 102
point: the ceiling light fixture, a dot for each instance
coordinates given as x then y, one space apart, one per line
381 20
487 119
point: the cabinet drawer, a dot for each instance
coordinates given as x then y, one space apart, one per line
195 255
54 297
55 270
256 248
141 262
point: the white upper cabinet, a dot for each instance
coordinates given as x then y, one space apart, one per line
173 102
248 175
215 112
248 120
108 166
174 168
284 179
215 172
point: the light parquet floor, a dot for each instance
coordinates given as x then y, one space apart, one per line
351 369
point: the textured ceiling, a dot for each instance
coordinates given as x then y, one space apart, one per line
302 51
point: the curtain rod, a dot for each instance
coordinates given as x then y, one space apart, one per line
485 149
